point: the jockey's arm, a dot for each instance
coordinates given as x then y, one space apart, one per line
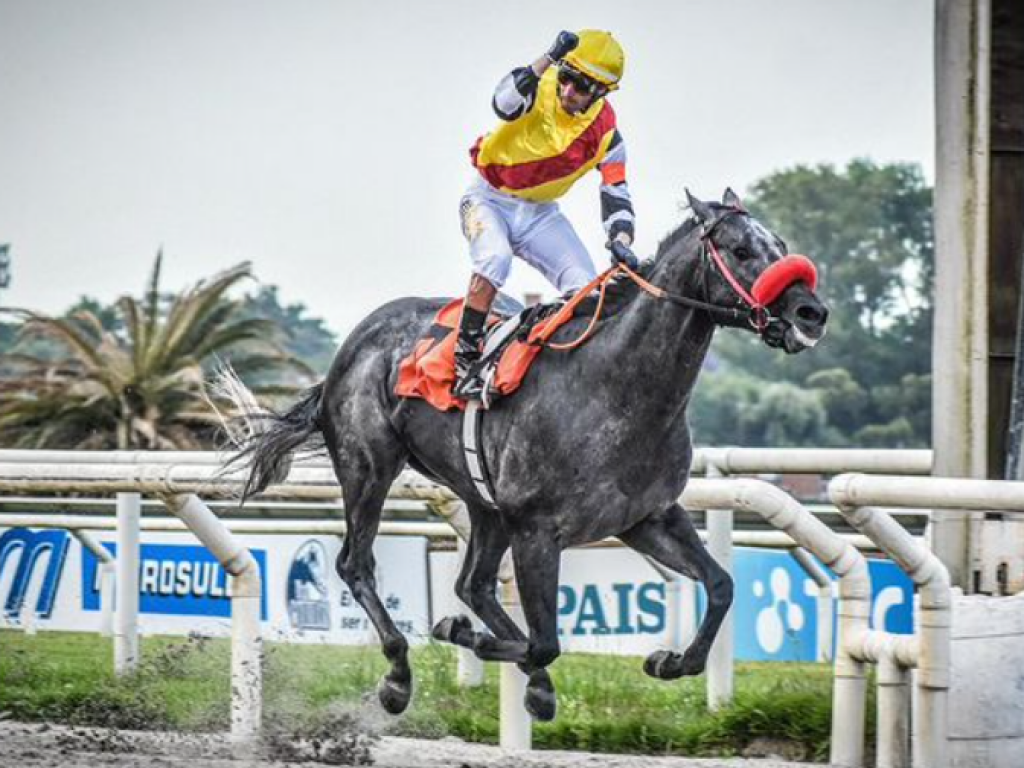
516 92
616 205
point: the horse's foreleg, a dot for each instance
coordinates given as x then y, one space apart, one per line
475 586
670 538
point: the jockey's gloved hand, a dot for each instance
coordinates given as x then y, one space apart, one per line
564 43
623 254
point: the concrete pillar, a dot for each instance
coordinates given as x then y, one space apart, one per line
960 354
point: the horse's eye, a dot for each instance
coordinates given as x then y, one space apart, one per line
742 254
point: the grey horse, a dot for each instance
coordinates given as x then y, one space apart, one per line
594 444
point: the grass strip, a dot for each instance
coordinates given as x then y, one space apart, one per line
606 703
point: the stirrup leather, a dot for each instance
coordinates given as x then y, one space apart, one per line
468 384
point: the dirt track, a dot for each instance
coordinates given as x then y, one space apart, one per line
42 746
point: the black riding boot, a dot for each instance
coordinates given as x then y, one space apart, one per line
468 385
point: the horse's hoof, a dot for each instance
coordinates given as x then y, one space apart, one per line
394 695
447 628
669 665
663 665
540 703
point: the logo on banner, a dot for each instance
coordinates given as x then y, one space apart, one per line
30 547
308 605
781 616
174 580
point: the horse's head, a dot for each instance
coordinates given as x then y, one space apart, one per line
748 270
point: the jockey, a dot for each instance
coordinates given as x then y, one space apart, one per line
556 125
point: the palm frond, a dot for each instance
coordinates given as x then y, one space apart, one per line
73 339
193 305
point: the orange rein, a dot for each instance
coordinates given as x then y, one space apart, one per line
600 282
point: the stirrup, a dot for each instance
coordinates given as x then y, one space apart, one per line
468 387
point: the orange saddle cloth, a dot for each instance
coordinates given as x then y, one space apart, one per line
429 370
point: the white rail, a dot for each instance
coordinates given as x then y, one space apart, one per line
824 461
860 498
757 539
178 477
733 461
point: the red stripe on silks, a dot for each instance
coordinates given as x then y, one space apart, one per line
536 172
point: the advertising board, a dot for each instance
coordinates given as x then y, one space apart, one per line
609 600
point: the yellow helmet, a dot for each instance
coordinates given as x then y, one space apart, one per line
598 56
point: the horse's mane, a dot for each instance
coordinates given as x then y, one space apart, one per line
677 235
621 291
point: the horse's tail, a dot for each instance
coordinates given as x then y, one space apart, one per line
265 439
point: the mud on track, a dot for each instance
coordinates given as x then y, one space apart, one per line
45 746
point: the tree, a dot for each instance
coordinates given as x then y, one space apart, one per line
738 409
868 228
306 338
137 383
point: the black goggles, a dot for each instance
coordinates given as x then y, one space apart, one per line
580 82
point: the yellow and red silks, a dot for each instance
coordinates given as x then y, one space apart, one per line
540 155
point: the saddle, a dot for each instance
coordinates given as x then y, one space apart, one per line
514 336
513 341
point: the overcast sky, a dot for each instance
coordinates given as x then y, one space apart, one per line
326 140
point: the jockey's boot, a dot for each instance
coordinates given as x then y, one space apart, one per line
468 385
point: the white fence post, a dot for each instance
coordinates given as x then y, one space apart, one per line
719 525
516 725
107 567
126 633
246 632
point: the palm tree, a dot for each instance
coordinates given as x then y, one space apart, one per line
141 385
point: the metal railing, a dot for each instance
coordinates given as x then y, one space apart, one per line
178 478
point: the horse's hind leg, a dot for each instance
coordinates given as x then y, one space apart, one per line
670 538
475 586
366 467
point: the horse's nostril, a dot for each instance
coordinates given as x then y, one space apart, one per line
812 314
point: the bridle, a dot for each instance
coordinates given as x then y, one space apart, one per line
754 310
755 303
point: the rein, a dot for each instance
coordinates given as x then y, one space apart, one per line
728 313
601 283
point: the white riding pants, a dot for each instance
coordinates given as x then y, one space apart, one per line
500 226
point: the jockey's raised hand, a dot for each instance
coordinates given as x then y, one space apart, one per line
564 44
621 251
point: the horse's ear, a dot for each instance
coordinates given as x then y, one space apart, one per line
731 199
700 208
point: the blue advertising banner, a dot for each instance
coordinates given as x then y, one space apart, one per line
775 609
174 580
609 601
